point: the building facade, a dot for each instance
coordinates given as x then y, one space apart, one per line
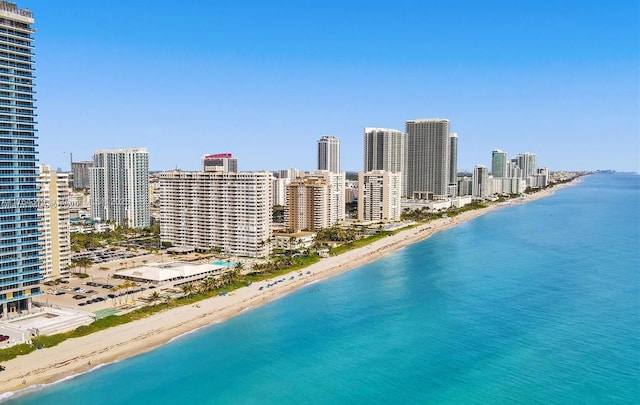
329 154
336 183
379 196
308 204
499 164
427 157
81 174
481 182
120 187
527 162
20 265
224 162
208 210
384 149
453 160
54 198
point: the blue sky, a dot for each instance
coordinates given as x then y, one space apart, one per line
265 80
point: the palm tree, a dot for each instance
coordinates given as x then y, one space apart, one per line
239 267
84 263
115 290
187 289
154 297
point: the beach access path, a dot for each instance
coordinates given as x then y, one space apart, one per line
79 355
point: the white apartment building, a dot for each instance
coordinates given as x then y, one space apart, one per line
226 210
336 182
290 173
279 191
481 185
508 185
379 196
53 210
120 187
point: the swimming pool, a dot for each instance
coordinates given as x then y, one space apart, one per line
224 263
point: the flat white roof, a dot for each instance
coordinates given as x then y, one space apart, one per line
159 272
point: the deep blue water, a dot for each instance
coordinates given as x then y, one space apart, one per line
537 304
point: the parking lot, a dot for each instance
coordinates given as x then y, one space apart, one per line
98 256
99 290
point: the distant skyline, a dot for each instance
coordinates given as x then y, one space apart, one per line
265 80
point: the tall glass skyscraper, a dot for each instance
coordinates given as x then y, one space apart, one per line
427 157
498 164
20 265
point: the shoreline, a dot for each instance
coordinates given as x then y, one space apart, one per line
80 355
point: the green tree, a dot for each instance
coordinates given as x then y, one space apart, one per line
154 297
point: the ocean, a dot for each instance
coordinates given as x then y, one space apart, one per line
537 303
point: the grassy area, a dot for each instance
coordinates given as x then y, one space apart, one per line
359 243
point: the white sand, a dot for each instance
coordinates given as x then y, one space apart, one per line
73 355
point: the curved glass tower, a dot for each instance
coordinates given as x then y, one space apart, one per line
20 271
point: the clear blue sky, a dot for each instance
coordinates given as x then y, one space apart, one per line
266 79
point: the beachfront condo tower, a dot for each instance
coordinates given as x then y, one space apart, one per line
427 158
481 184
385 149
498 164
527 162
120 187
453 159
308 204
230 211
54 214
20 265
379 195
329 154
336 182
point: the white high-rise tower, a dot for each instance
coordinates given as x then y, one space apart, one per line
120 187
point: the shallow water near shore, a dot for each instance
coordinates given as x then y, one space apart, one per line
535 303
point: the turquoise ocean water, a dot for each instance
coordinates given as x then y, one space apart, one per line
534 304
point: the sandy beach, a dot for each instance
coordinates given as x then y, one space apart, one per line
79 355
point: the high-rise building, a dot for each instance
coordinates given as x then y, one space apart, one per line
512 170
21 270
54 207
329 154
120 187
308 202
384 149
453 159
379 195
498 164
81 174
427 157
336 183
481 184
221 162
207 210
528 162
290 173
